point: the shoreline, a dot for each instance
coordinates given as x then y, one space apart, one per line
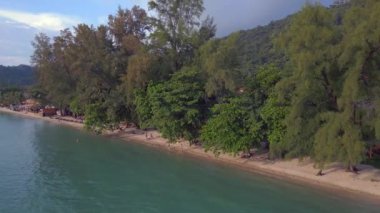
48 119
365 184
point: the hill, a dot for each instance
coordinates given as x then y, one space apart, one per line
17 76
256 46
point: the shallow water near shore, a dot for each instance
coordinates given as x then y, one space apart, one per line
51 168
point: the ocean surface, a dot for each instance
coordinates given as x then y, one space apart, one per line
49 168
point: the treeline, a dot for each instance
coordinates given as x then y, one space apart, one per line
16 83
17 76
10 96
317 94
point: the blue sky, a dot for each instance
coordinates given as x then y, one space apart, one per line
21 20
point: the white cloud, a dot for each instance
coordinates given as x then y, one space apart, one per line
15 42
42 21
14 60
103 20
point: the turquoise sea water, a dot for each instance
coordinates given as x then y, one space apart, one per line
50 168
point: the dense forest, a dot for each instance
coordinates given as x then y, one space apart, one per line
308 85
17 76
15 83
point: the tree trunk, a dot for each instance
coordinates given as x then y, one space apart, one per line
370 152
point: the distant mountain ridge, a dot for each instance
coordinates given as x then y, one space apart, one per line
17 76
256 46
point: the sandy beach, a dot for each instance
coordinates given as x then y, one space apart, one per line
49 119
366 183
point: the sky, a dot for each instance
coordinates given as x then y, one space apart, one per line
21 20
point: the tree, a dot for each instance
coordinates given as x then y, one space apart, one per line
95 117
142 68
143 109
271 110
62 77
177 30
333 106
17 76
207 31
313 78
129 29
232 127
52 61
10 96
273 114
354 125
127 22
219 63
99 80
177 105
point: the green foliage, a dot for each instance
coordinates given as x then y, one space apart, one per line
316 94
232 127
177 105
143 67
10 96
273 114
332 110
17 76
83 71
143 109
218 61
126 22
312 62
261 84
179 30
105 114
76 107
338 140
354 125
260 87
53 72
95 117
267 77
256 47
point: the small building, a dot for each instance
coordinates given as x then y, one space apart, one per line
49 111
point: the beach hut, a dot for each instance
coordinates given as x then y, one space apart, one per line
49 111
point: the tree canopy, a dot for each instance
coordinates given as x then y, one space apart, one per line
308 84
